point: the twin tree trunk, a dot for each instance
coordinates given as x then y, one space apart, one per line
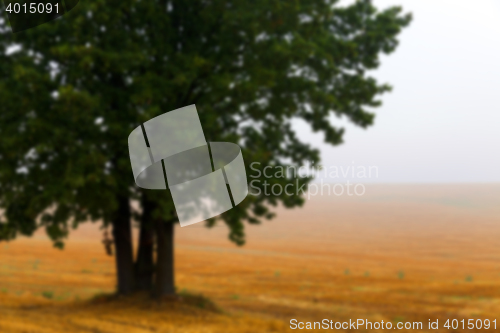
144 265
144 275
122 236
164 285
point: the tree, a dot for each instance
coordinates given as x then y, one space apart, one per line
71 91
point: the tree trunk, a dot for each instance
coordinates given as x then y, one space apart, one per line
122 236
144 266
164 259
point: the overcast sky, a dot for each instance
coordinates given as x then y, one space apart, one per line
441 122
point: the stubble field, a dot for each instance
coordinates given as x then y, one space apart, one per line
409 253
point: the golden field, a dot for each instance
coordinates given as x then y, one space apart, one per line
399 253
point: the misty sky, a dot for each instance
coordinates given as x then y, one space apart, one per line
441 122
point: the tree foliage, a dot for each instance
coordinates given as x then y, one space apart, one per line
71 91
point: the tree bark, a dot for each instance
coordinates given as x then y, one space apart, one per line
144 266
122 236
165 285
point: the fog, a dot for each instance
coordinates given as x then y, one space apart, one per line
440 124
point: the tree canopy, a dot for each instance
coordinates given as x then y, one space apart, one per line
72 90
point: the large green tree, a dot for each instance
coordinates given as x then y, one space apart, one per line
72 90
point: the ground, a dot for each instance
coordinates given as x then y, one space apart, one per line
409 253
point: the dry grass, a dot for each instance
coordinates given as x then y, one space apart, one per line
398 254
